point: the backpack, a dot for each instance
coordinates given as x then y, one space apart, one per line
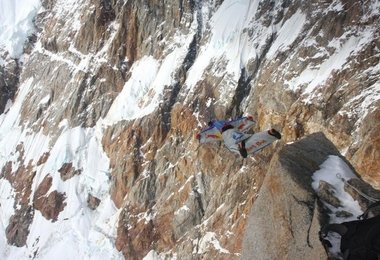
360 239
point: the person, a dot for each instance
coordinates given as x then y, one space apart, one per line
234 135
234 140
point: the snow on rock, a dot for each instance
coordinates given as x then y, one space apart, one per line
332 171
142 93
6 211
152 255
16 24
229 42
130 104
11 118
94 229
287 33
207 241
315 77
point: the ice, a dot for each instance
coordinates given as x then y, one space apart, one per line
16 24
142 93
228 42
152 255
287 34
333 171
208 240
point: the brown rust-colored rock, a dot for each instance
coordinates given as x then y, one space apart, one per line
43 187
21 179
365 158
49 205
135 236
17 230
156 164
93 202
43 158
67 171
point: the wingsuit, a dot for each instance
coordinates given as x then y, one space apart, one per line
233 134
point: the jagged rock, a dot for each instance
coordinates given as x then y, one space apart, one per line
285 219
9 78
326 193
136 242
43 187
93 202
49 205
67 171
363 193
21 179
343 214
43 159
366 157
18 228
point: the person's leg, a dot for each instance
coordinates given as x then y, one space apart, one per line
274 133
242 150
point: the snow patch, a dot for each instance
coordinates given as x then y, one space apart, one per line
229 47
209 239
332 171
287 34
316 77
182 209
16 24
7 195
152 255
79 231
142 93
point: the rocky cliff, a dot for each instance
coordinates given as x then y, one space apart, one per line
98 154
287 215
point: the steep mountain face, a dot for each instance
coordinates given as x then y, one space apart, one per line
98 154
286 227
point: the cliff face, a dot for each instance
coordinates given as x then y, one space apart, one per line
286 217
99 137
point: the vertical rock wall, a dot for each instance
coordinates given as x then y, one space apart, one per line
285 219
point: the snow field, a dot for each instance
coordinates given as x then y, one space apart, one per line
16 24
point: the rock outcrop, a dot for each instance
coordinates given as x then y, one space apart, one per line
49 204
17 230
67 171
9 77
287 214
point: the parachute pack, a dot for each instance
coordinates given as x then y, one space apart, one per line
360 239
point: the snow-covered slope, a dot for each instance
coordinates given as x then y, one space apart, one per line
97 151
16 24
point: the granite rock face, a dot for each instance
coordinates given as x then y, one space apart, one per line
286 217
